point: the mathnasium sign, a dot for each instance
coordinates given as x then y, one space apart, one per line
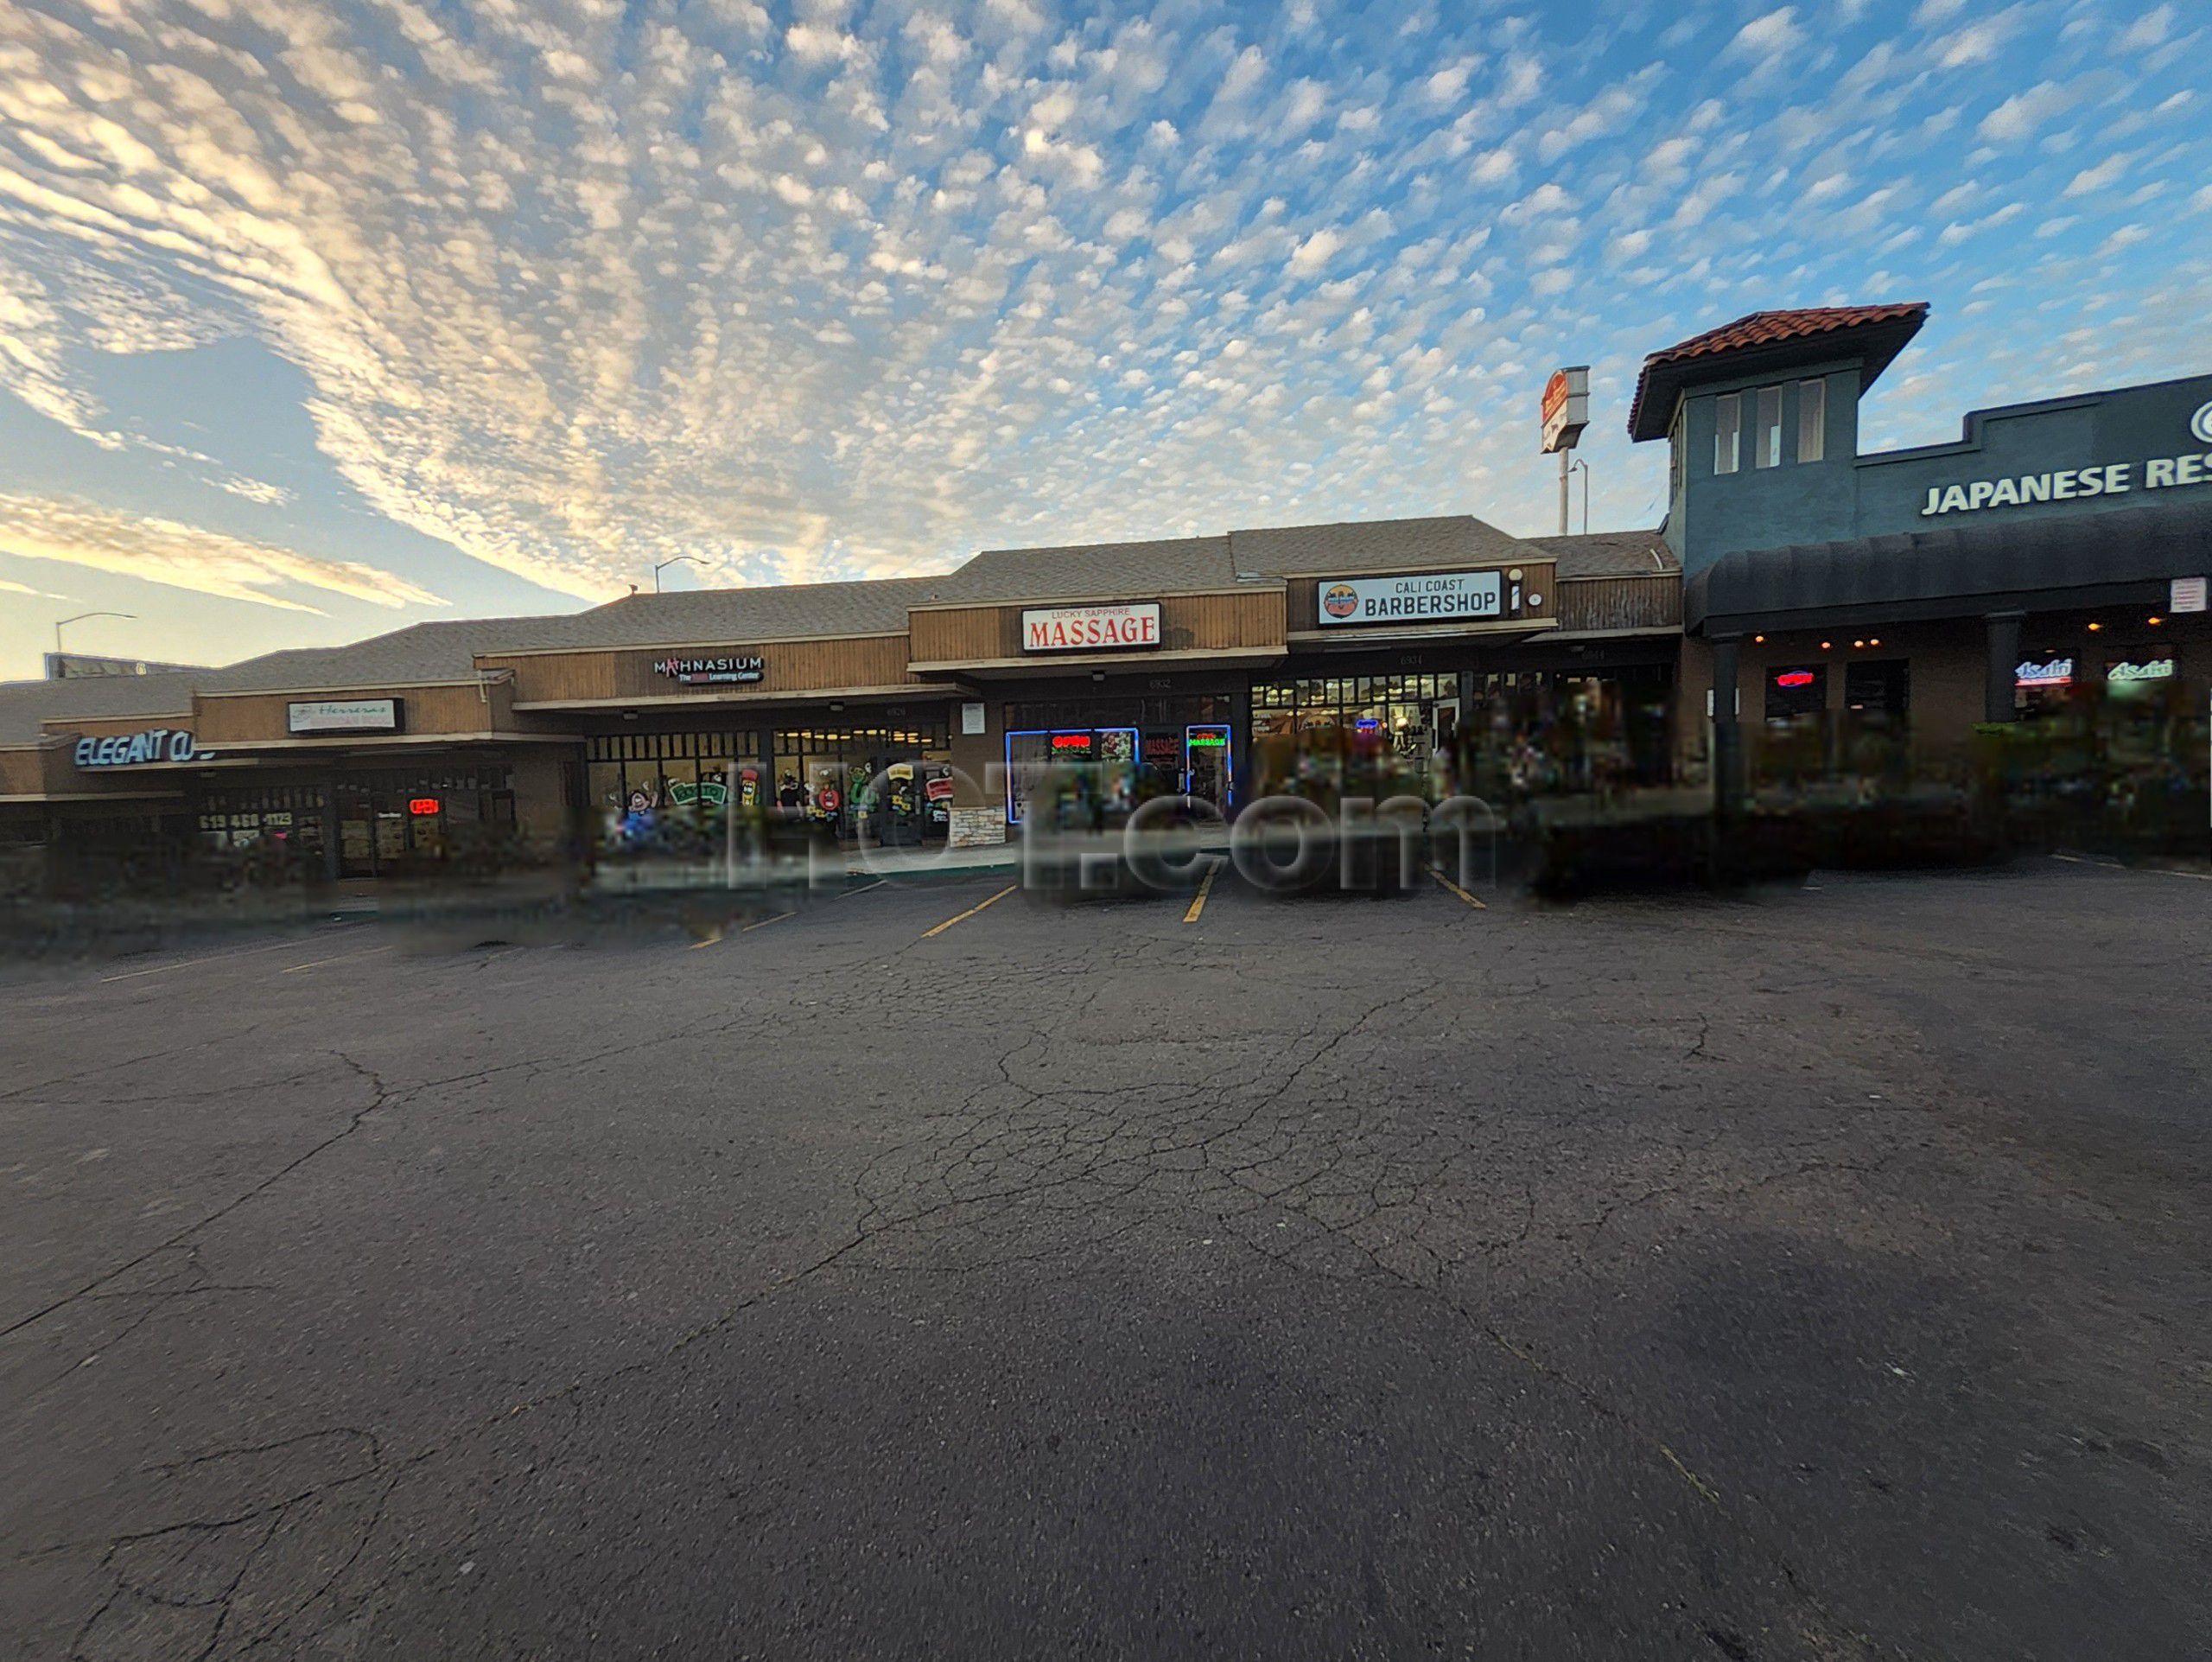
1423 597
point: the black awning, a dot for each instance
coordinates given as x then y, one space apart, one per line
2059 562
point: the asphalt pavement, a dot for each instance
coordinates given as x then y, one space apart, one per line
945 1270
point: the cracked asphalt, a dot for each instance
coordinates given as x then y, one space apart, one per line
1818 1273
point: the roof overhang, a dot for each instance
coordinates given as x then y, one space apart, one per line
1045 666
1356 639
661 703
1665 376
2057 562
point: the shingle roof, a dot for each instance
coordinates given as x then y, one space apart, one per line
1219 562
1166 567
1755 338
24 704
447 650
1610 554
1374 545
700 616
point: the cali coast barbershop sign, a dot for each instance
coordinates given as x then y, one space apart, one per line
1431 596
171 744
1090 629
2072 484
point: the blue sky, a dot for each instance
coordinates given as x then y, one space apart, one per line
317 320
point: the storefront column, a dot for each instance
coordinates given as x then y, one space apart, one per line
2004 655
1727 732
1240 744
330 828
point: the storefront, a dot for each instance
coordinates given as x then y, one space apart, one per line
1419 657
1878 622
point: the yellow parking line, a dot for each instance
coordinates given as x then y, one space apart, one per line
1456 889
971 912
765 922
1205 887
342 958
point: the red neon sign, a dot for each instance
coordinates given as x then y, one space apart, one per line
1793 679
422 806
1071 741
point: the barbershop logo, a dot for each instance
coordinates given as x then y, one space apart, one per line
1341 601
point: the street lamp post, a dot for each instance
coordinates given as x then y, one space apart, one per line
675 559
62 622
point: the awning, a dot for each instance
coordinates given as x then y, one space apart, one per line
2057 562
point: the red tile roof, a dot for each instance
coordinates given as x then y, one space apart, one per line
1895 323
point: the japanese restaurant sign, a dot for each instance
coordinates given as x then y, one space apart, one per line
1421 597
1110 626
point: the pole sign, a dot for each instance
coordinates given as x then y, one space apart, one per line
1564 410
155 744
1111 628
1431 596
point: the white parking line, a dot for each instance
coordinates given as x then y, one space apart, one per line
342 958
195 963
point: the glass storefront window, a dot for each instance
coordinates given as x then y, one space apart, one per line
1524 733
670 793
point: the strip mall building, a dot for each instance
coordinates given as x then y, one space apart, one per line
2052 560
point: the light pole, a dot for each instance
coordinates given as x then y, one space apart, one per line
675 559
79 618
1584 469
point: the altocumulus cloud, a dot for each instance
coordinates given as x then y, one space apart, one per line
186 557
837 287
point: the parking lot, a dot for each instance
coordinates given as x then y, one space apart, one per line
940 1270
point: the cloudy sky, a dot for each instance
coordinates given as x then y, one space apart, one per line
319 319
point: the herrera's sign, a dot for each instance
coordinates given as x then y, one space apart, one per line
1112 627
342 715
1429 596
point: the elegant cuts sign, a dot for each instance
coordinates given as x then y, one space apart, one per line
1429 596
2072 484
1110 627
342 715
171 744
723 670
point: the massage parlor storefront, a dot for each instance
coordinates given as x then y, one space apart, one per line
1322 683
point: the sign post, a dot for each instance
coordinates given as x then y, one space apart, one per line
1565 411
